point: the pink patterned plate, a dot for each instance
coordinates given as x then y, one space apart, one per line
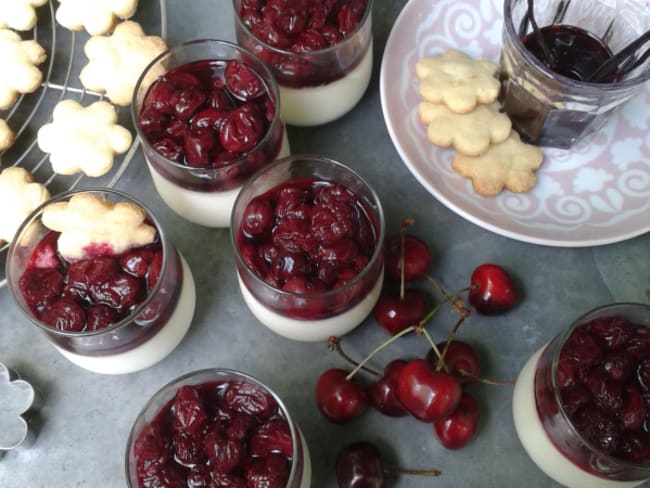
596 193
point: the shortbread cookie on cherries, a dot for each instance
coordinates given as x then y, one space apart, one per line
96 16
93 225
19 73
19 196
509 165
19 14
457 80
7 136
116 61
83 139
470 133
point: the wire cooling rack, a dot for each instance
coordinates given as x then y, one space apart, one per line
65 59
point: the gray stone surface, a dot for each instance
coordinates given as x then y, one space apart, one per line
86 417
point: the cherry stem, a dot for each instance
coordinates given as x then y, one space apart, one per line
402 240
450 336
485 380
454 299
419 472
334 343
434 346
381 346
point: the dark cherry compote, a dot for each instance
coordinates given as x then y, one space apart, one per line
215 434
208 114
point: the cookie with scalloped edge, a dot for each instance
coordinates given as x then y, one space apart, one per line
457 80
509 165
7 136
96 16
83 139
19 14
19 196
115 62
470 133
88 219
20 73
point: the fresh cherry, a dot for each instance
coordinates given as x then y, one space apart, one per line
339 399
456 430
492 290
395 312
417 257
427 394
359 465
382 394
460 358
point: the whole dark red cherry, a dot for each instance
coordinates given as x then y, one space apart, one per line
339 399
64 314
426 394
382 394
242 129
242 81
492 290
459 356
395 313
417 257
359 465
456 430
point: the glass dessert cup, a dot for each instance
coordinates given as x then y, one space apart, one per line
204 193
551 109
321 85
550 415
151 328
299 475
318 313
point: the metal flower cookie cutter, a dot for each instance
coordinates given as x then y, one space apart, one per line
18 402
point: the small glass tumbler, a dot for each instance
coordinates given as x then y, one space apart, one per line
311 316
317 85
570 397
155 419
151 330
205 195
548 108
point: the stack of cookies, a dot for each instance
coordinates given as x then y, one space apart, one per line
460 110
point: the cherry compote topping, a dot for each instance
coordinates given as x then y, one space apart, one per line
301 27
89 294
230 434
574 52
307 236
208 113
602 375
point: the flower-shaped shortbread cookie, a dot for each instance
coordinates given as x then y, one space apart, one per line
19 14
83 138
470 133
511 164
19 195
457 80
116 61
17 400
96 16
19 73
89 223
7 136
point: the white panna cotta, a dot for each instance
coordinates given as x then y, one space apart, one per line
313 330
537 443
153 350
315 105
210 209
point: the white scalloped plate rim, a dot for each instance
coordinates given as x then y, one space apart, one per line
596 194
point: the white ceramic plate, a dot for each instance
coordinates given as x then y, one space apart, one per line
596 193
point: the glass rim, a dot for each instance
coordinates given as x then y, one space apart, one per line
376 255
562 339
511 32
173 386
243 158
166 250
362 22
